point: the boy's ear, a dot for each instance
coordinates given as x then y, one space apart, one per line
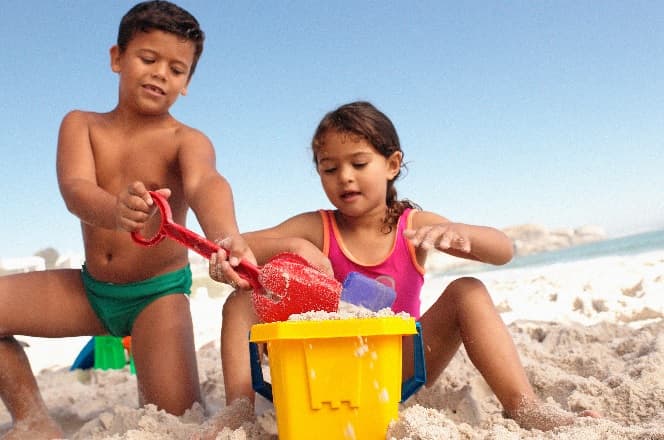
394 164
185 89
115 58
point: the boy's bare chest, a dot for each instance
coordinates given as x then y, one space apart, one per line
121 157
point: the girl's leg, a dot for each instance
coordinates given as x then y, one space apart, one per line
465 313
238 317
162 342
44 304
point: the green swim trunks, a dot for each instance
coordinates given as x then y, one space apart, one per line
118 305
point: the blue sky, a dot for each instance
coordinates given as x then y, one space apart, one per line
547 112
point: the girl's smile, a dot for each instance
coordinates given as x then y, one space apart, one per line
350 196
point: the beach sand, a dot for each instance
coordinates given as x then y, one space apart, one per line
590 335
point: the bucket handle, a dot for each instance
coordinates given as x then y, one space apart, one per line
257 381
408 387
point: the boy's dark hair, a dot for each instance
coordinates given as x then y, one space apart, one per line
364 120
164 16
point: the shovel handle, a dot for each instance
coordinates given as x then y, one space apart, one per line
190 239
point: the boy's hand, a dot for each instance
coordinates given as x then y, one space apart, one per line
223 263
443 236
134 206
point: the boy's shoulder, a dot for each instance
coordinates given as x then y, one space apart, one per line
81 120
188 134
83 114
109 119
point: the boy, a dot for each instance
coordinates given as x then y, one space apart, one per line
106 163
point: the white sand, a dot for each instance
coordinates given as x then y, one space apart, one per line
590 335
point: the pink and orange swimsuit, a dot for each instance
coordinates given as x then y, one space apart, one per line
399 270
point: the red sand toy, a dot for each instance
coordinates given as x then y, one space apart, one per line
285 285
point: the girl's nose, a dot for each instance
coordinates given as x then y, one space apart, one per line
346 173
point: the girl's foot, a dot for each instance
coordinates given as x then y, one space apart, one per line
546 416
232 416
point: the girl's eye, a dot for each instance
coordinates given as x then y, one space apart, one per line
359 165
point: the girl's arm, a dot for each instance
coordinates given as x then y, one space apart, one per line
301 234
473 242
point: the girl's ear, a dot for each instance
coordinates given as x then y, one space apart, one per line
115 59
394 164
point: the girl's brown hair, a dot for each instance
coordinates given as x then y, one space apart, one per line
362 119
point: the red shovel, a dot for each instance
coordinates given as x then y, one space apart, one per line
285 285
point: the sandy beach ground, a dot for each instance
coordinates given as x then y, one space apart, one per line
590 334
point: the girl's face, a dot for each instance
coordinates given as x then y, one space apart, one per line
154 70
354 174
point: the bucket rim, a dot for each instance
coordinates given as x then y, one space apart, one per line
333 328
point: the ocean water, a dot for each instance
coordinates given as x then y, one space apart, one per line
620 246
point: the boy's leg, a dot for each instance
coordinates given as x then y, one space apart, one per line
162 343
19 392
46 304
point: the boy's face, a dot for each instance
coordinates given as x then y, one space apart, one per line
154 70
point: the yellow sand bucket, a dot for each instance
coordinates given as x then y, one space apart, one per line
336 379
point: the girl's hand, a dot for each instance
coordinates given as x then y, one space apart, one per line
308 251
223 263
442 236
134 206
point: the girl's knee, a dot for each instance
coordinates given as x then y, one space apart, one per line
466 292
467 286
238 302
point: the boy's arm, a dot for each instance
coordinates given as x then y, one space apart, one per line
77 179
481 243
209 194
77 175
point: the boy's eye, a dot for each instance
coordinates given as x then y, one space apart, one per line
177 71
147 60
329 170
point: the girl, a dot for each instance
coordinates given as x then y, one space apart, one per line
358 157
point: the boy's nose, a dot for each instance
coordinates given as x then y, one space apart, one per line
159 70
